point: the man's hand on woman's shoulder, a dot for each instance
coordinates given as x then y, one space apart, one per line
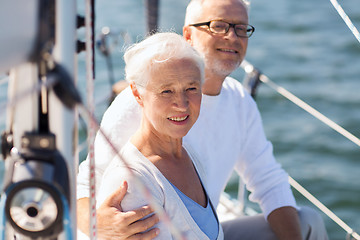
113 223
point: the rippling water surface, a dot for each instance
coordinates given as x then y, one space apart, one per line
303 46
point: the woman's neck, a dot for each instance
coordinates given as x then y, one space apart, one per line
151 144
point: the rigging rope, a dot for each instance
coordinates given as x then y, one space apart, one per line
300 103
90 76
282 91
323 208
346 19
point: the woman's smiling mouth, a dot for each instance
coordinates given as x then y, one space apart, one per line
178 119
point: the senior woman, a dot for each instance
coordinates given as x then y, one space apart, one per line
165 74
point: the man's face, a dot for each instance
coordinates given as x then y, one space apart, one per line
223 52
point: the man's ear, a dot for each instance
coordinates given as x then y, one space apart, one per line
187 34
136 94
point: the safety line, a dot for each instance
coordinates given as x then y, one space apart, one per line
300 103
90 75
310 110
323 208
248 67
346 19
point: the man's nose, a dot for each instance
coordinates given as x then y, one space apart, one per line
231 32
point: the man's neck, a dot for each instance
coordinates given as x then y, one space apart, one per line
212 85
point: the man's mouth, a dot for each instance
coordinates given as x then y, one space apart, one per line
178 119
227 50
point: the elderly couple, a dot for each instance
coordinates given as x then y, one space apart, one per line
184 125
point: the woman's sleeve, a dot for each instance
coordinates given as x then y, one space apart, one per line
135 196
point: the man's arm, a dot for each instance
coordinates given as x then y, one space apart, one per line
114 224
285 223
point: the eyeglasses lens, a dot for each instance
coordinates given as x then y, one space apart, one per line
220 27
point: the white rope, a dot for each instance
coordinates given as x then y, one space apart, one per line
346 19
91 126
310 110
323 208
248 68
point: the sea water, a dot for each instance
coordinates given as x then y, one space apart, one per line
303 46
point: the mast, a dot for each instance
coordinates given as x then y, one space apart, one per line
63 121
38 197
152 15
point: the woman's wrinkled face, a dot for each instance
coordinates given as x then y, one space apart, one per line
171 101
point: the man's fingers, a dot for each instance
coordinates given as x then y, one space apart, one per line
128 224
114 200
122 230
146 235
143 225
137 214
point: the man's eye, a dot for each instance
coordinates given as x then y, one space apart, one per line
241 29
218 27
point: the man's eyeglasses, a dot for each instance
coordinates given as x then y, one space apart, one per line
222 27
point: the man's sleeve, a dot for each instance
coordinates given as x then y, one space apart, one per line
263 175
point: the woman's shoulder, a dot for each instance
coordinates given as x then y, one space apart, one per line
129 158
132 163
129 166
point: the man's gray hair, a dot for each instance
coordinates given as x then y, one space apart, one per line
195 6
144 56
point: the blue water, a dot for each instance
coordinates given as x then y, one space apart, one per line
303 46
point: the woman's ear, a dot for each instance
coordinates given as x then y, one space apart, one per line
136 94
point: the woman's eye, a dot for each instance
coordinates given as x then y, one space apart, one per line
192 89
166 92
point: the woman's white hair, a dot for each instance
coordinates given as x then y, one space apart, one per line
194 8
142 57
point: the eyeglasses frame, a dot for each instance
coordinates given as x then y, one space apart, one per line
231 25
